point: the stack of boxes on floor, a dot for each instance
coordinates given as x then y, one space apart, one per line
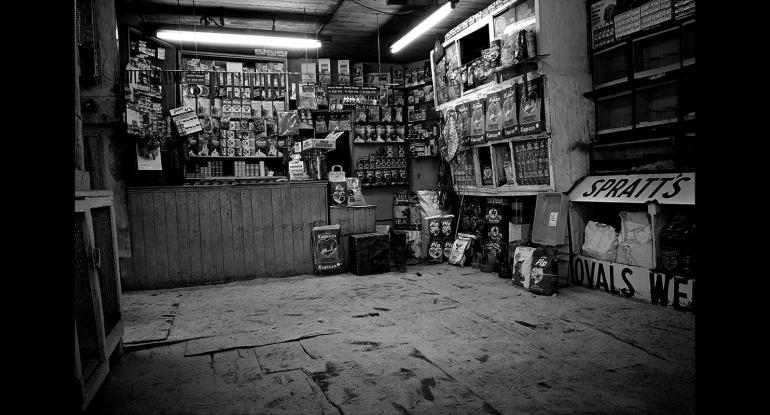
500 225
365 250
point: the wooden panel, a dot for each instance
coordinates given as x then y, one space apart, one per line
183 229
228 243
215 218
138 268
268 242
288 243
161 246
172 238
297 228
148 221
260 251
195 237
191 236
249 263
207 254
237 229
307 227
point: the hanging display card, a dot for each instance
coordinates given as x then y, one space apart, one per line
463 120
186 120
531 162
477 121
343 69
148 160
308 73
325 71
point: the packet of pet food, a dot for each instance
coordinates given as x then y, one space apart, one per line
355 197
460 247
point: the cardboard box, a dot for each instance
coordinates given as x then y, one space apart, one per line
318 143
519 232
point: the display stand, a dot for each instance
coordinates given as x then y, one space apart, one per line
601 199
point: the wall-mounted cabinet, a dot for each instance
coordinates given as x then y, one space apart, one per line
644 86
524 63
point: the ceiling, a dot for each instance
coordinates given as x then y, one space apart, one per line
351 26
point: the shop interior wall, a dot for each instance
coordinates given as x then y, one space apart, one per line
102 122
570 115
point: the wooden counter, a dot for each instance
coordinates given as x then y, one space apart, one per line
195 235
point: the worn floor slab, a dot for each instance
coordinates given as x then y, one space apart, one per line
434 340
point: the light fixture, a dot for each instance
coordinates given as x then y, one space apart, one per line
421 28
238 39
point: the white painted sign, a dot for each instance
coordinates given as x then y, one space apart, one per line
665 188
633 282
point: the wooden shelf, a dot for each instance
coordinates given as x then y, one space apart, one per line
237 178
644 32
202 158
370 186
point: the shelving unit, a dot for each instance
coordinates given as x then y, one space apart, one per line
551 120
148 95
643 89
218 91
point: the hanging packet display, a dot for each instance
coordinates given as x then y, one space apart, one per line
510 112
288 123
477 121
530 104
494 117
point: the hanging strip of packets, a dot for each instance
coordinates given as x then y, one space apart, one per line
531 162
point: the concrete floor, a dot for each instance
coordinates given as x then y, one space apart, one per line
437 339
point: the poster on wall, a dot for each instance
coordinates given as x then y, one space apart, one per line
148 160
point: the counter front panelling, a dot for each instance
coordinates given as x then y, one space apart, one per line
184 236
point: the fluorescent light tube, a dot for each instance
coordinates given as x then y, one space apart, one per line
238 40
421 28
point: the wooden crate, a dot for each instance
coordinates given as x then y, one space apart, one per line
353 219
98 322
369 253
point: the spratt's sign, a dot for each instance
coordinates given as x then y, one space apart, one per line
666 188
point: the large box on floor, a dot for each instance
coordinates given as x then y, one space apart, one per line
369 253
353 219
